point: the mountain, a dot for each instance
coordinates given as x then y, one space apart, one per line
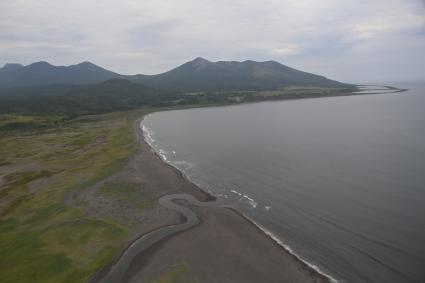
194 76
203 75
10 68
43 73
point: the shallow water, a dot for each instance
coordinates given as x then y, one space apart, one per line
340 180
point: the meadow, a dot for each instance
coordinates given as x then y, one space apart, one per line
45 235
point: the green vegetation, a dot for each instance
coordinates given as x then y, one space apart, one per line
131 194
44 107
25 260
37 90
57 103
179 273
21 178
15 123
45 233
59 143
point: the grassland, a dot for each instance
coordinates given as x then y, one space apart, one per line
125 193
44 238
61 217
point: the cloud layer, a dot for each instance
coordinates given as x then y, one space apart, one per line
350 40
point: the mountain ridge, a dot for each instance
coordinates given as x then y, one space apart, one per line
198 74
44 73
203 75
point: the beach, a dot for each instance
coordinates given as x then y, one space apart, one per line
320 183
223 247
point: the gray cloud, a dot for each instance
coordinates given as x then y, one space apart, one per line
351 40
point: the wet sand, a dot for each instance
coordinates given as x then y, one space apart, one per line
224 247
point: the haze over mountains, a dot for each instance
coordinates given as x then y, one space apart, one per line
43 73
65 92
196 75
201 75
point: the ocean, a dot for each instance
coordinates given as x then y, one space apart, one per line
340 181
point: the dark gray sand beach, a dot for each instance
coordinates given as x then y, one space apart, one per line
338 180
223 247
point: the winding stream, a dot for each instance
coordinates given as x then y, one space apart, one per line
118 270
338 180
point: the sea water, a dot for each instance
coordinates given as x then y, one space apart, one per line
338 181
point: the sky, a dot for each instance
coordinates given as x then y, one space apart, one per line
358 41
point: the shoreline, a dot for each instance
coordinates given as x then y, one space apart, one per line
388 90
143 142
199 193
313 269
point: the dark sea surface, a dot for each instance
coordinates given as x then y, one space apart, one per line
339 180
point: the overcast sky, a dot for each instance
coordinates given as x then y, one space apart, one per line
349 40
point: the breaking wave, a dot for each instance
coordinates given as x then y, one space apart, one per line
148 135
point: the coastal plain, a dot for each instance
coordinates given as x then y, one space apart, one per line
79 185
75 196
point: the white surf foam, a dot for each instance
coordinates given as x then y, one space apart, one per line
163 154
236 192
291 251
250 200
147 133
